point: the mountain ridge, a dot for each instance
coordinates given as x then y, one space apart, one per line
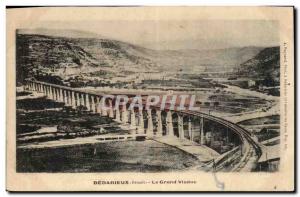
87 55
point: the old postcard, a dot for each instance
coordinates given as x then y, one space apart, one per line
150 99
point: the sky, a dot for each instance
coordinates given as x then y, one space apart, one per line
176 35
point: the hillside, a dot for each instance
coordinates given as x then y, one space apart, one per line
73 56
265 65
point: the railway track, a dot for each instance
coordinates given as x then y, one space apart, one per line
251 150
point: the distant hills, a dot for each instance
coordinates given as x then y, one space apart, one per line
69 52
205 60
66 33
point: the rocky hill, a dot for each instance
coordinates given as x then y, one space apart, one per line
265 65
72 56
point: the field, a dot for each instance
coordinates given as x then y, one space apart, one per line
145 156
40 119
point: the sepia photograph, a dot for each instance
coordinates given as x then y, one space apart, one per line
190 97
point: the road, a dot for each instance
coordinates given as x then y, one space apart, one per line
274 110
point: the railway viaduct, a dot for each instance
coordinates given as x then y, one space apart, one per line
221 135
